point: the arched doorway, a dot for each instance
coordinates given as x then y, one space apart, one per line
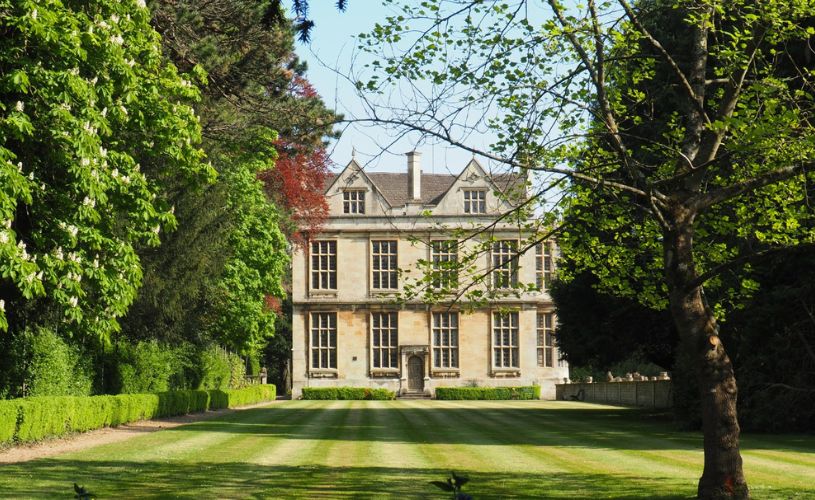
415 374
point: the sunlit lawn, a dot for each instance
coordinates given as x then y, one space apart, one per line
329 449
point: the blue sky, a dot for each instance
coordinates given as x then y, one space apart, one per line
333 49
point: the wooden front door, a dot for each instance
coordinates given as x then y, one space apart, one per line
415 374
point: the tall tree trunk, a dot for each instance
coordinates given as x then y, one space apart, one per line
723 476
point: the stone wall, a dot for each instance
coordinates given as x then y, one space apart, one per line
644 394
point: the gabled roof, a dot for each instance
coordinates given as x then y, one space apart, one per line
393 186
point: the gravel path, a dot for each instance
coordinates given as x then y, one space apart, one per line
106 435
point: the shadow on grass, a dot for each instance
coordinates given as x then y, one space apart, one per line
120 479
617 428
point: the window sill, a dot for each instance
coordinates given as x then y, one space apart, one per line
506 372
323 374
328 294
445 373
385 372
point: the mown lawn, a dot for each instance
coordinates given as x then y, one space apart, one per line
341 449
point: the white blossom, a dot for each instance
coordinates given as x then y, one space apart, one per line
123 109
114 18
34 14
8 224
141 4
73 301
39 275
89 202
115 173
157 229
103 152
104 112
4 237
30 277
125 179
58 253
19 106
31 176
117 40
73 230
84 162
94 80
104 25
20 166
2 305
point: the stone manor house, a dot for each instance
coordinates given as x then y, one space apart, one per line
348 329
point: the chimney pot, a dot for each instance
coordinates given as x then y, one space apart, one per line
414 164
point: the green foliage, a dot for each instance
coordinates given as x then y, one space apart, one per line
149 366
216 368
242 397
8 420
34 419
489 393
589 323
210 279
94 122
347 393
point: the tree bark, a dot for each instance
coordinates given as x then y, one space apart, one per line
723 475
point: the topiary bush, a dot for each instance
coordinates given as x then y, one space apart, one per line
488 393
347 393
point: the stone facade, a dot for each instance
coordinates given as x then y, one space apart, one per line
348 329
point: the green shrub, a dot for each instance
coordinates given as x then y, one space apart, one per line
488 393
232 398
8 421
347 393
216 370
149 367
53 367
33 419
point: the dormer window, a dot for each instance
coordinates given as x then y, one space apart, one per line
353 201
475 201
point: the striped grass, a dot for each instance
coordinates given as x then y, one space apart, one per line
370 449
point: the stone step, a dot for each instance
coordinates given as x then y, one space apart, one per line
414 395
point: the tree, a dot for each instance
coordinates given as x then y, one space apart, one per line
210 279
94 122
566 93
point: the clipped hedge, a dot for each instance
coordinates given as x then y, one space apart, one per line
491 393
347 393
240 397
33 419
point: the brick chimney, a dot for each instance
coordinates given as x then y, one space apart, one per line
414 164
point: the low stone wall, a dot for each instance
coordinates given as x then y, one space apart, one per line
644 394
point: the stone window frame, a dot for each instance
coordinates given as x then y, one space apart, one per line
389 273
323 349
506 340
444 278
327 274
544 264
505 260
547 352
353 201
453 341
392 349
475 201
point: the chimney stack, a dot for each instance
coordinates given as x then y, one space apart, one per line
414 161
